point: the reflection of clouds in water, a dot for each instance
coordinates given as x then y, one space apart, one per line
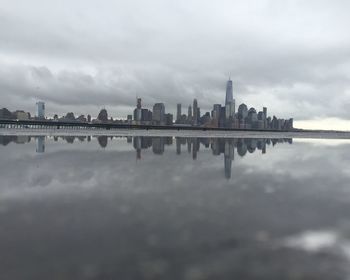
325 142
105 211
313 241
318 241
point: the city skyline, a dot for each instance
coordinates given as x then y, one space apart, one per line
221 116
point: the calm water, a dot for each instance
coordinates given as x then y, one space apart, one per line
166 208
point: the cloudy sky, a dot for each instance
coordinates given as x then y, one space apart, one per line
82 55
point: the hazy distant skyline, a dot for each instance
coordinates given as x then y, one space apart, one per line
290 56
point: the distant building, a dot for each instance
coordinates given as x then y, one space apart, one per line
169 119
5 114
195 112
215 114
81 118
189 114
70 116
178 112
138 111
146 115
158 116
229 101
40 110
242 111
103 115
21 115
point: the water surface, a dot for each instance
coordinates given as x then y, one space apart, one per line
174 208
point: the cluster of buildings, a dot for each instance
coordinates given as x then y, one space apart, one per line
221 116
18 115
157 116
22 115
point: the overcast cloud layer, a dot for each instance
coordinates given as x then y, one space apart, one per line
291 56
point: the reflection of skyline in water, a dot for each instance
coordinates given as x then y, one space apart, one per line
217 145
81 205
226 146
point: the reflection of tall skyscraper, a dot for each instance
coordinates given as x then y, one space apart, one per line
40 144
215 147
158 145
195 148
189 145
178 145
229 156
137 146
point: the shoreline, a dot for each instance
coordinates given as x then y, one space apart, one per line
172 133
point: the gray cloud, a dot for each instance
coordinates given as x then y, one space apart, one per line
81 56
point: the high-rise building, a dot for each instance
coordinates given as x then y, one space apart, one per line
242 111
216 111
146 115
138 103
195 112
137 111
229 101
189 114
158 116
229 92
169 119
40 109
178 112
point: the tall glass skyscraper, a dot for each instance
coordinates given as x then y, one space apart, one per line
229 92
40 110
229 101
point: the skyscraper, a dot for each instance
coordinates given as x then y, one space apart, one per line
195 112
137 111
40 110
158 116
229 101
189 115
178 113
